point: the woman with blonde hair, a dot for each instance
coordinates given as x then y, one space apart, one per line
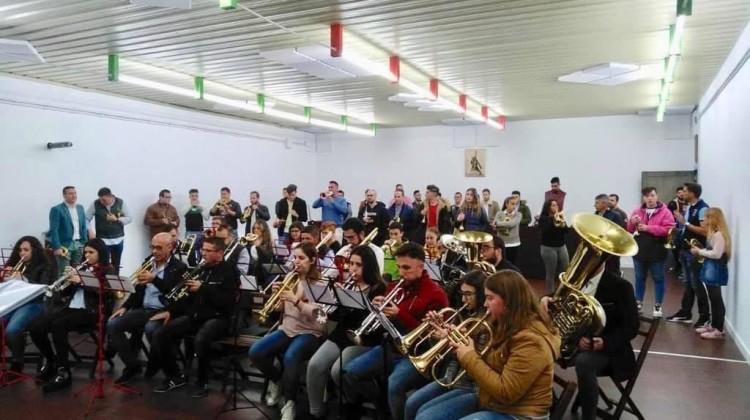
715 272
472 216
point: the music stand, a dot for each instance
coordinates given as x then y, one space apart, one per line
281 251
250 284
433 270
108 284
13 295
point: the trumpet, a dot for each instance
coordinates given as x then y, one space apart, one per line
147 266
246 214
64 281
219 206
186 247
559 220
430 360
243 241
424 331
670 238
371 322
180 291
19 269
694 243
322 313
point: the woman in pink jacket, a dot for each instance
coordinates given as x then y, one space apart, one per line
650 224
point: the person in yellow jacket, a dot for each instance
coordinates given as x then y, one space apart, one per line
395 240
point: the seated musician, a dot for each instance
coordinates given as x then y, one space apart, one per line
333 244
148 300
205 312
325 261
420 294
394 242
494 253
365 275
611 350
354 233
296 340
35 268
432 250
472 296
295 235
81 312
240 257
261 251
515 375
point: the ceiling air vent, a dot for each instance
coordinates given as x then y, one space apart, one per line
12 50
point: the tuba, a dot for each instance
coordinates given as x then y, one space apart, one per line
573 312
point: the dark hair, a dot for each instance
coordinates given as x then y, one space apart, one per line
458 192
255 192
354 224
679 188
162 192
38 257
487 190
370 268
516 192
554 180
341 192
226 189
546 206
69 187
415 191
193 190
498 243
617 197
297 225
334 182
644 191
411 250
476 279
396 225
312 230
101 250
217 242
602 197
694 188
505 202
312 254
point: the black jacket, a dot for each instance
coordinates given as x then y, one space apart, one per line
445 222
90 295
615 294
228 218
381 219
173 273
351 319
552 236
262 213
215 298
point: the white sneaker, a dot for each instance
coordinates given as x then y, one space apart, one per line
289 411
657 312
273 394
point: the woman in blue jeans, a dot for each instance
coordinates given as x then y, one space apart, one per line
472 295
296 340
38 270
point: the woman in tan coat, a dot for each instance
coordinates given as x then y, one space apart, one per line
515 375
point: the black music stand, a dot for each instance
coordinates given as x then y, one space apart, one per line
433 270
249 284
109 284
13 295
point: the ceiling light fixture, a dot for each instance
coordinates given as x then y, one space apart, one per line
684 9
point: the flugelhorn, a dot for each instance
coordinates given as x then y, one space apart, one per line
220 203
430 359
424 331
246 214
695 243
147 266
63 282
559 220
371 322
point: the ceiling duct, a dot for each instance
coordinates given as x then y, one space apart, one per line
12 50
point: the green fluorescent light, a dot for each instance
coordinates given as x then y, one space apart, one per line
675 36
684 7
664 92
228 4
199 90
113 67
669 69
660 111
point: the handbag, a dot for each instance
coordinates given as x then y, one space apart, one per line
715 272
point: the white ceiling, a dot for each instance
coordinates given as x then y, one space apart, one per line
507 54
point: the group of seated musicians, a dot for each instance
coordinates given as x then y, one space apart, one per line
513 378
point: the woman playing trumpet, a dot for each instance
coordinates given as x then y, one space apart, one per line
363 268
515 375
297 339
553 249
472 295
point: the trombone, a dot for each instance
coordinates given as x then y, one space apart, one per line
372 322
186 247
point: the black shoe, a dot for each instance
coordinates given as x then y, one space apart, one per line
170 384
128 373
681 316
353 411
46 371
61 380
200 391
702 321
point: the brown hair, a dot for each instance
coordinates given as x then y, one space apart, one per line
521 305
718 223
475 207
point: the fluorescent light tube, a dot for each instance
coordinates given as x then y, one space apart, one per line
157 86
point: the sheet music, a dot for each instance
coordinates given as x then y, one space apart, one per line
319 293
119 283
248 282
433 270
354 299
16 293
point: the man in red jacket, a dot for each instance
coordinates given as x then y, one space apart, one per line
420 295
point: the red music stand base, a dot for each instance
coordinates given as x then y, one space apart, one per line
97 391
5 373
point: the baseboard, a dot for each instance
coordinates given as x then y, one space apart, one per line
738 340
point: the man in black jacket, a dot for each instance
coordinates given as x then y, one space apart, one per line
610 351
289 209
205 312
375 216
135 313
494 253
230 210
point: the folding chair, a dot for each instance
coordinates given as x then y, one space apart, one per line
625 403
561 402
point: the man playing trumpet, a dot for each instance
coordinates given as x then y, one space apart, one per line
136 313
255 211
228 208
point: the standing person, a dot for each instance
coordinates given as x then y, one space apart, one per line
37 270
555 193
695 227
650 223
507 223
715 272
523 208
489 205
374 215
472 215
417 199
67 229
677 204
348 204
333 207
227 208
255 211
195 215
614 201
289 210
161 216
400 212
601 204
110 215
553 249
434 212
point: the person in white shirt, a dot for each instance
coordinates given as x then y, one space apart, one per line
110 215
67 230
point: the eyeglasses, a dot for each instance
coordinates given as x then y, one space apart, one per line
487 247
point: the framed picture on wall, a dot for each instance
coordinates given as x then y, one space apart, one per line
475 162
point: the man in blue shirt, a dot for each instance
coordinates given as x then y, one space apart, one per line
334 207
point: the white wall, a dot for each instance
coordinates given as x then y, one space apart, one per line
136 149
724 174
590 155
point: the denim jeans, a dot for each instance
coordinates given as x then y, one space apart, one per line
453 404
16 323
132 321
694 289
294 351
642 269
421 396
